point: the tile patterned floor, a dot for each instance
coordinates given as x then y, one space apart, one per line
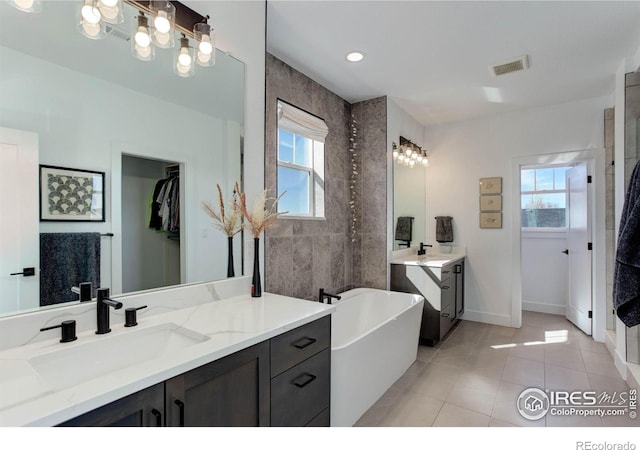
473 377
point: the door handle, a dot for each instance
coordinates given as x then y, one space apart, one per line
180 405
26 272
566 252
158 415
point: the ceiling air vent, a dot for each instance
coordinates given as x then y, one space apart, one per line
514 65
117 32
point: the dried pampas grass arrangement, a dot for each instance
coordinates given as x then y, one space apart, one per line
262 216
228 219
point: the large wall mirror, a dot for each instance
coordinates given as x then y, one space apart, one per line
88 105
409 201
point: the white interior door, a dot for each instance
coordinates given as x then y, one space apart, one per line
579 299
19 221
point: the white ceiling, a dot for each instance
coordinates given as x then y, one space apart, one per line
433 57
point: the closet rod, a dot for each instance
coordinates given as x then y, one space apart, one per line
106 234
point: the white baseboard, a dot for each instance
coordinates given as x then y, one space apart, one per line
620 363
490 318
610 342
633 375
544 308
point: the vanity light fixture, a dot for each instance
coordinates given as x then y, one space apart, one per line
30 6
162 31
141 46
183 62
409 154
111 11
205 44
90 22
155 26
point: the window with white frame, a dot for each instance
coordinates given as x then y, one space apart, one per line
543 197
300 144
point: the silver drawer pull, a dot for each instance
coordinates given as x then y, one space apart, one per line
304 342
304 379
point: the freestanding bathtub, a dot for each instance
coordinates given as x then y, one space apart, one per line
374 340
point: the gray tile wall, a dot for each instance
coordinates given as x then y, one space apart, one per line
302 256
370 248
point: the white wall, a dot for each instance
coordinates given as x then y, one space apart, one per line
544 271
466 151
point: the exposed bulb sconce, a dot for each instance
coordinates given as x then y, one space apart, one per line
183 63
162 31
141 46
29 6
409 154
156 25
205 44
90 23
111 11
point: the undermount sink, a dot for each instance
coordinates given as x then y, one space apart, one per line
82 362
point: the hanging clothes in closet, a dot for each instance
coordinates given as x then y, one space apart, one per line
165 205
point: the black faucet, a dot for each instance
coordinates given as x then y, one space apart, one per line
422 250
322 295
83 290
102 310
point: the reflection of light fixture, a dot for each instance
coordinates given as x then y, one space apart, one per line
141 46
90 23
162 31
30 6
155 26
111 11
183 64
205 47
409 154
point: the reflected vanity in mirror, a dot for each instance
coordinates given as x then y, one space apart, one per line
68 101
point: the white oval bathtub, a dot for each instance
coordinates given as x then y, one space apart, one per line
374 340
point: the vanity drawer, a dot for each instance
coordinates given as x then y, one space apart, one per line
302 392
295 346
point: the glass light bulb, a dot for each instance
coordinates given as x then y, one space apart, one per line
23 4
182 68
205 45
425 162
419 158
400 157
144 52
408 152
109 3
204 58
184 58
91 14
91 29
142 37
162 38
161 22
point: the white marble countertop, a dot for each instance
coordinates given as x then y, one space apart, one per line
230 325
430 260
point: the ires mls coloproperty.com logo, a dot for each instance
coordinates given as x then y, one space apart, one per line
534 403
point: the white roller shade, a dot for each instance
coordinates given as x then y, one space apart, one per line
301 123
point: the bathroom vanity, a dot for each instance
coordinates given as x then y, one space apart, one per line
439 278
231 360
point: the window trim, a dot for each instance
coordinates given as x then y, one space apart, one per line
542 192
311 215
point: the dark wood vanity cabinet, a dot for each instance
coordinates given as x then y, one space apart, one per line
142 409
301 376
284 381
230 392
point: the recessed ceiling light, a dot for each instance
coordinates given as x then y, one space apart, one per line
355 56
